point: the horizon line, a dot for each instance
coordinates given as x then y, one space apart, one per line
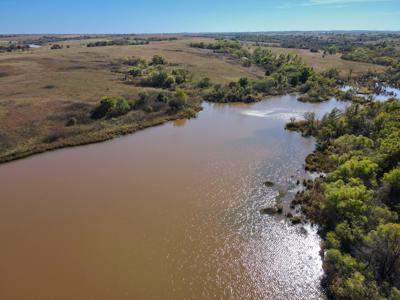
206 32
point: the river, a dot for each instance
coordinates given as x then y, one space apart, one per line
171 212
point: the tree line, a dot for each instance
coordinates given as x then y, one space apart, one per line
357 203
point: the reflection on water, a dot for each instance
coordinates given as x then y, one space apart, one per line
180 122
384 93
171 212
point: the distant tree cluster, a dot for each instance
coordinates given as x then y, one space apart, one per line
56 47
117 43
380 48
130 42
233 48
155 73
235 91
283 73
115 106
11 47
381 53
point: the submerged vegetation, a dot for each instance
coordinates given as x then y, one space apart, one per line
357 204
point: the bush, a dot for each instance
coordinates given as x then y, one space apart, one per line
142 101
189 113
163 98
56 47
169 81
204 83
240 91
135 61
181 75
71 122
135 71
111 106
266 85
361 168
158 60
179 101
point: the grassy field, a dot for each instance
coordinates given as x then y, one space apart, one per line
41 89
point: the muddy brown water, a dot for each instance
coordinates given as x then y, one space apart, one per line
171 212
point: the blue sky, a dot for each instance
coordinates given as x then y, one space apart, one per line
156 16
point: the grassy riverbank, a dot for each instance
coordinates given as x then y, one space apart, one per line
41 91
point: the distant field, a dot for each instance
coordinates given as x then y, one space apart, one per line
43 79
320 63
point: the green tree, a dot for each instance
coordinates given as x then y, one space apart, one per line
111 106
383 252
348 143
391 188
356 167
345 202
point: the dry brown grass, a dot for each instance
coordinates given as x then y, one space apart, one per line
41 89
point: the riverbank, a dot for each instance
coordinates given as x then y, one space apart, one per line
100 135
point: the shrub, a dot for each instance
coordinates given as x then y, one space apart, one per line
169 81
158 60
56 47
156 78
162 98
142 101
361 168
135 71
204 83
240 91
179 101
111 106
135 61
181 75
71 122
189 113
